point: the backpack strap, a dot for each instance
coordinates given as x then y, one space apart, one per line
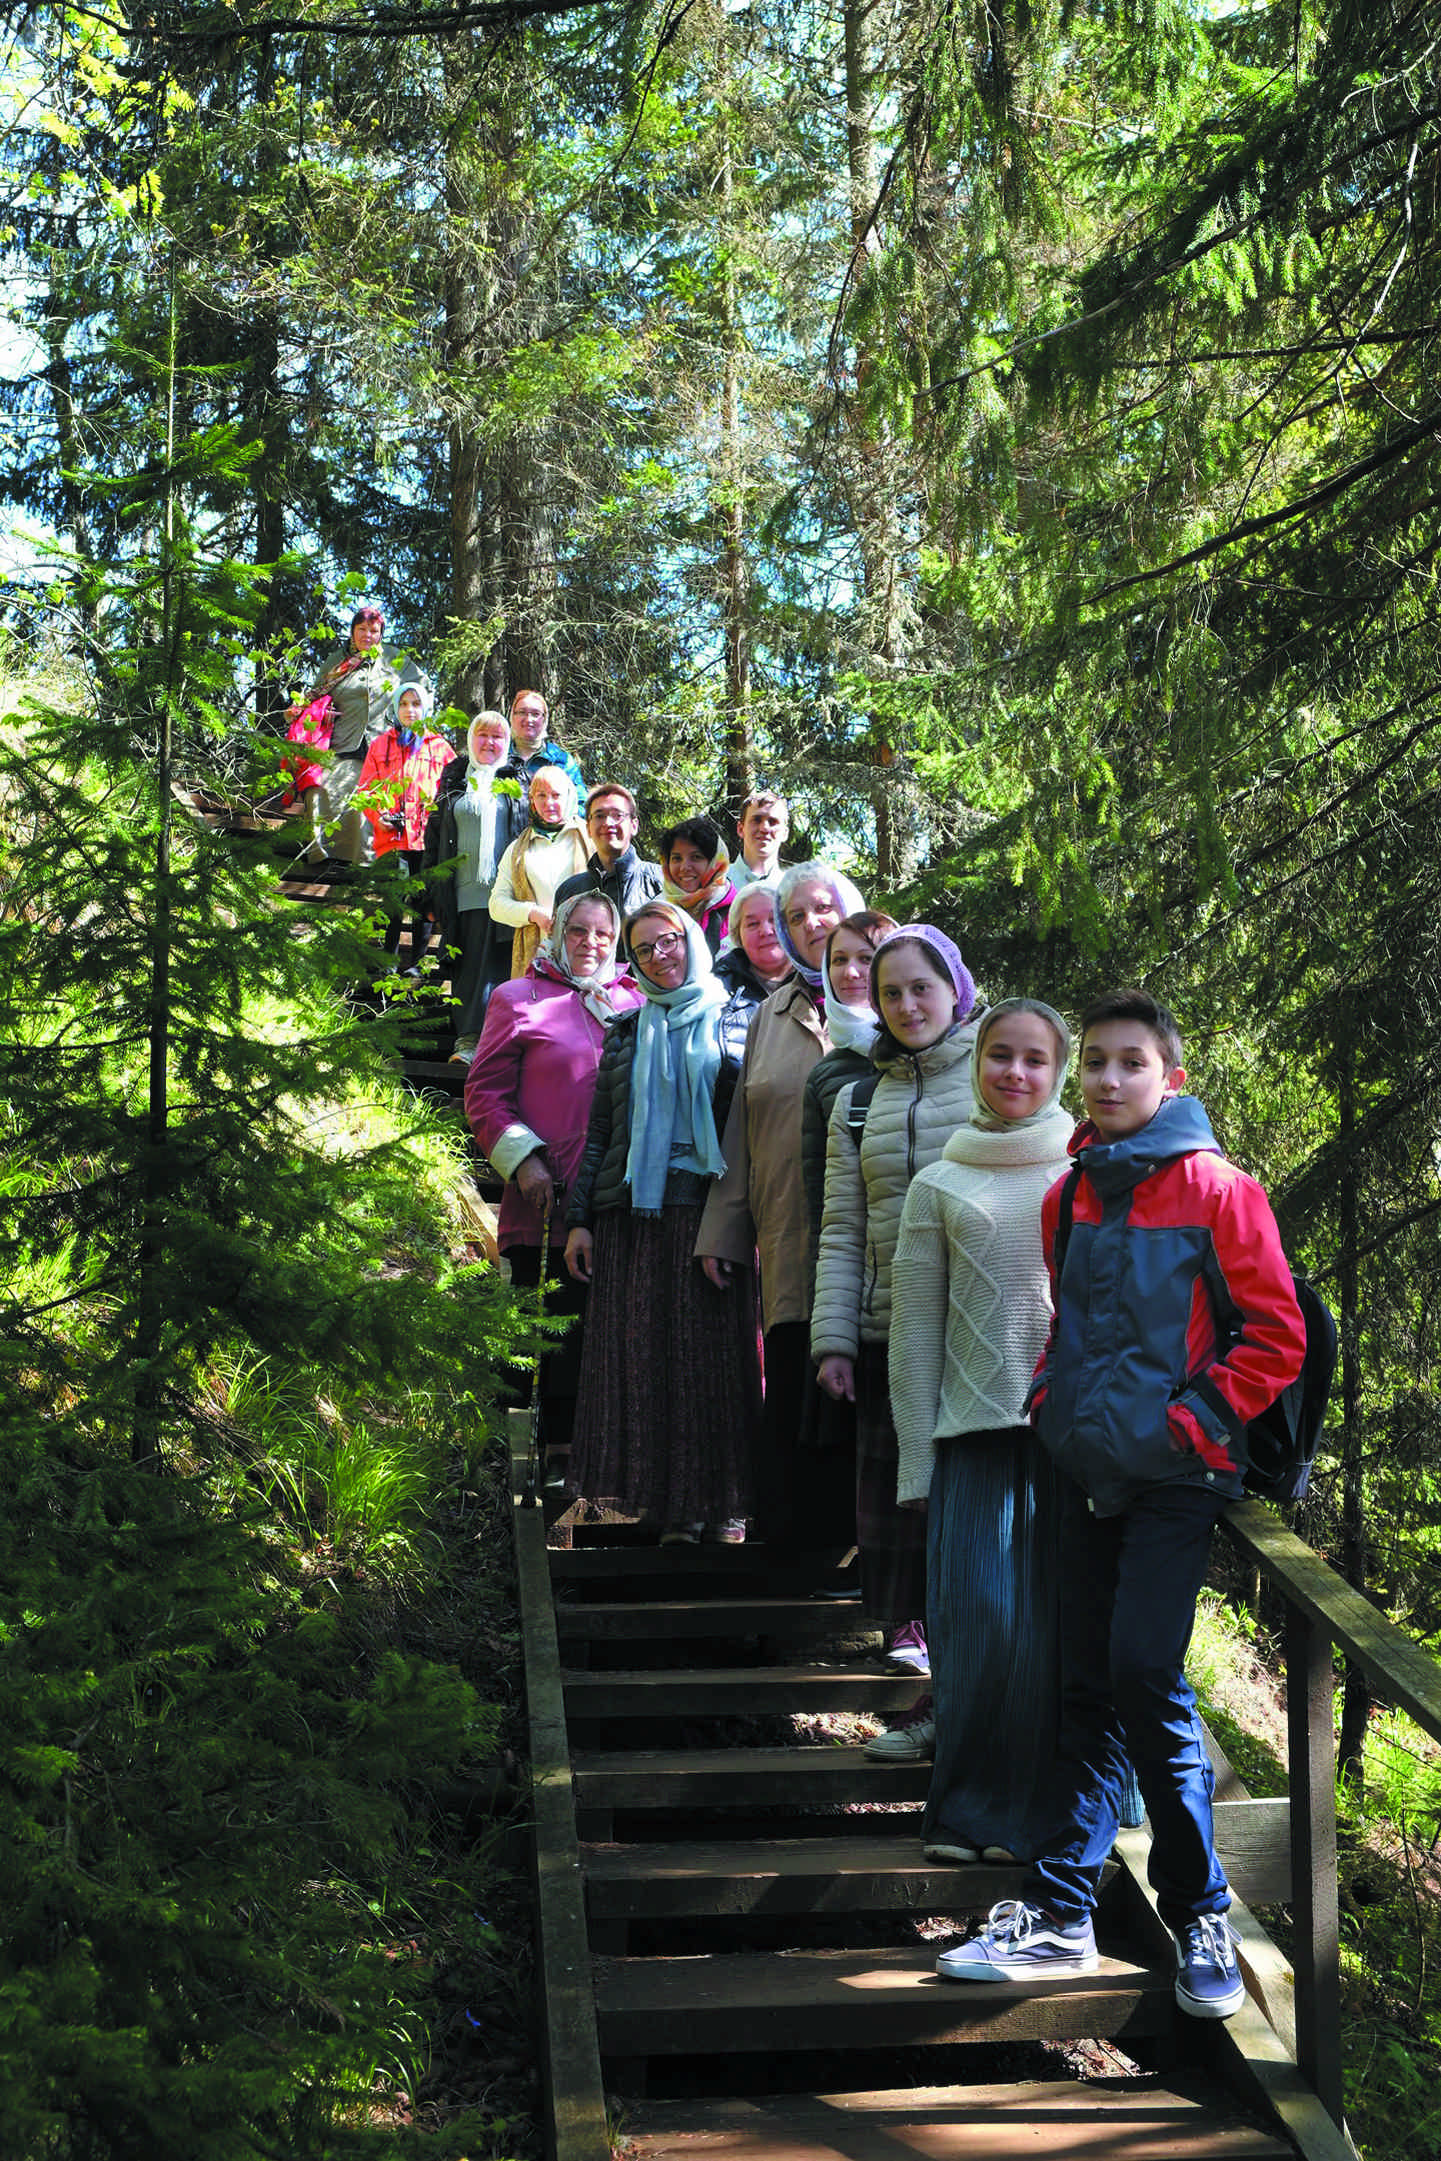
858 1105
1065 1219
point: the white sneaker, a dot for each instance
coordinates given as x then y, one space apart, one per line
948 1849
915 1743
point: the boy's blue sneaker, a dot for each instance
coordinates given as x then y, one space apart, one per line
1208 1979
1021 1943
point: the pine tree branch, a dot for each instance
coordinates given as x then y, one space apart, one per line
1327 491
227 29
1197 357
1392 1229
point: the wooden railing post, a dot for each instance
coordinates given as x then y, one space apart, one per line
1310 1689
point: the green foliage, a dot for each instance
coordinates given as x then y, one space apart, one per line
184 1970
243 1356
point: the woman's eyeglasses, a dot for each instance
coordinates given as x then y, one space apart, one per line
659 947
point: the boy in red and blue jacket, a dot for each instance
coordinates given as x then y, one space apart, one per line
1175 1324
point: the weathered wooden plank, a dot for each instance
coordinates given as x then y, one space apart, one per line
1060 2121
1311 1751
742 1778
1252 2052
440 1073
856 1999
737 1692
576 2128
691 1618
1253 1840
1402 1672
636 1563
807 1875
874 1872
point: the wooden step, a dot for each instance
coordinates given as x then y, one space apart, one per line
1140 2120
738 1692
859 1999
742 1778
685 1620
432 1072
636 1555
728 1877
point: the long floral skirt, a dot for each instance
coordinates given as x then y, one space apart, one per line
670 1395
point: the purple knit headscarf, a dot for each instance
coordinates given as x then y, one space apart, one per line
947 952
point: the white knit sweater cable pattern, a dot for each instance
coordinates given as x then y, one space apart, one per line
970 1296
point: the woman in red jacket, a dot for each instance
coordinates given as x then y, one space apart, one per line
399 783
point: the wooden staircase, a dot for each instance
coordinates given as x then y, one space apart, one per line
739 1929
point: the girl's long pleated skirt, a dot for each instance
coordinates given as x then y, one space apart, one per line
992 1626
993 1630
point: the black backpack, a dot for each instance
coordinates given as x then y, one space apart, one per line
1281 1443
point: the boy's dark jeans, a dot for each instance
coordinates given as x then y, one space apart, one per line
1128 1602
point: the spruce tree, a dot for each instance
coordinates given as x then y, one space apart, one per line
209 1768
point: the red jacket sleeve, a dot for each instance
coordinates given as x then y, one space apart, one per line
1050 1221
1260 1320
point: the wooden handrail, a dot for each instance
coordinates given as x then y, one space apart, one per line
1400 1670
1324 1613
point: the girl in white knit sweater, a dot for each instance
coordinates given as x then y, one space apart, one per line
970 1310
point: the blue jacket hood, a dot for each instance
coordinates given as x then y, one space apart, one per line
1179 1128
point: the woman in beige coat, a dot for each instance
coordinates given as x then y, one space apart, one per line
760 1205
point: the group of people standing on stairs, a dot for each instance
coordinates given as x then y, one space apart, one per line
844 1275
1011 1359
491 837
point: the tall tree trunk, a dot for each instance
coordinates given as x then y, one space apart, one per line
876 466
157 1175
735 584
266 423
469 300
502 562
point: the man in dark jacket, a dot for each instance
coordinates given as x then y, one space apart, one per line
612 820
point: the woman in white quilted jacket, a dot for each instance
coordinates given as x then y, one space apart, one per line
928 1011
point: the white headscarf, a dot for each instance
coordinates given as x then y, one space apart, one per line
981 1113
847 899
596 992
423 691
479 795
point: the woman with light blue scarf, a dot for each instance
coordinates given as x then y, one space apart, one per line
670 1378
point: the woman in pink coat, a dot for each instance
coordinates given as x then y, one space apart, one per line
528 1096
